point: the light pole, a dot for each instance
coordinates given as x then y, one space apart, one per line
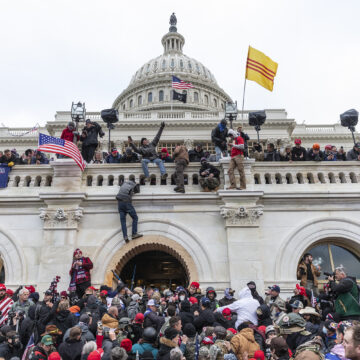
231 112
349 119
78 113
256 119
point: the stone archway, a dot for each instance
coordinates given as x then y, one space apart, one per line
346 231
149 243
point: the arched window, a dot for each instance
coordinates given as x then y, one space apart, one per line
330 255
215 103
124 107
172 63
161 95
150 97
140 100
206 100
196 97
198 68
148 68
131 103
155 66
163 65
181 64
189 66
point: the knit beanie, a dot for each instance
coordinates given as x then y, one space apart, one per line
126 344
171 333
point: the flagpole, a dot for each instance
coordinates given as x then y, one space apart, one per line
242 109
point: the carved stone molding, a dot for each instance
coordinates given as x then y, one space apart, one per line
242 216
189 143
60 218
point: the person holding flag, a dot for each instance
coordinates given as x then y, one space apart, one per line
5 304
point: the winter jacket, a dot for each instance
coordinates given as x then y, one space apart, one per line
136 333
110 159
107 346
186 317
245 307
206 318
82 274
133 158
109 321
141 348
297 152
38 353
271 156
195 156
68 135
265 317
181 153
13 158
220 320
225 301
190 349
7 352
351 155
27 326
63 320
218 137
209 169
244 341
43 159
96 315
17 306
154 320
149 151
238 147
166 346
127 190
315 157
274 304
86 334
71 349
302 274
92 134
347 297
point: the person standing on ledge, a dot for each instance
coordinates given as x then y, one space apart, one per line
124 198
80 273
237 161
181 158
148 151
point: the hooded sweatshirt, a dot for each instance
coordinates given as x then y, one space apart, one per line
245 307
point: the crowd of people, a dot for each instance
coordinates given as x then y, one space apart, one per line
85 323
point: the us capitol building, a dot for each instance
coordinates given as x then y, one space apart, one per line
223 239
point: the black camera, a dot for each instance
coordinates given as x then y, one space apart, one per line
329 274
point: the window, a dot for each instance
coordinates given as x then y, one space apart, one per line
215 103
172 63
196 97
131 103
140 100
206 100
148 68
161 95
150 97
155 66
124 107
181 64
330 255
163 64
189 66
198 68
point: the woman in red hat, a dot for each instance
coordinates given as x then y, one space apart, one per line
80 273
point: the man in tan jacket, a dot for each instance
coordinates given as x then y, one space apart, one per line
308 273
244 342
181 158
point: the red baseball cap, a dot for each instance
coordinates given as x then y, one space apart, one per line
2 287
232 330
103 293
30 288
9 292
297 141
92 288
227 313
193 300
139 318
195 285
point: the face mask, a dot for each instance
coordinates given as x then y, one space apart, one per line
325 330
182 297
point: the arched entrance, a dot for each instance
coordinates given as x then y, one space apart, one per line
158 259
154 268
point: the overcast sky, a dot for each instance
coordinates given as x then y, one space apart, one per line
59 51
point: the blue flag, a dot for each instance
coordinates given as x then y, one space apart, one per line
4 175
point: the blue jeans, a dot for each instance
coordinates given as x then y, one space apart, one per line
127 208
219 152
157 161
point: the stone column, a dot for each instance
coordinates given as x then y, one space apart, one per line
61 216
242 215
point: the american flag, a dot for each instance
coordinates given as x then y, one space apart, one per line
5 306
180 84
29 346
59 146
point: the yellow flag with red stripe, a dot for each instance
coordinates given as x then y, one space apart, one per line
260 68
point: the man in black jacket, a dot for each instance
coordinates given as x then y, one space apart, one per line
218 137
89 138
298 153
271 154
209 175
148 152
205 317
151 316
246 139
196 154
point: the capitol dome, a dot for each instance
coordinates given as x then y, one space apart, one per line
150 87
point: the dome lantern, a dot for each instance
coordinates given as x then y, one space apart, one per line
173 42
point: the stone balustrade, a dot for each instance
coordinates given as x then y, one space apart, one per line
261 176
